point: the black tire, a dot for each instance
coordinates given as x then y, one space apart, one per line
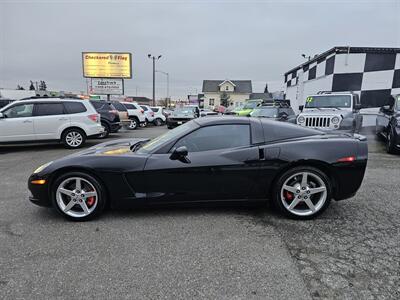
276 194
106 132
158 122
66 135
101 199
390 146
133 124
169 127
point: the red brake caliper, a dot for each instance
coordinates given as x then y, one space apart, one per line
90 201
288 196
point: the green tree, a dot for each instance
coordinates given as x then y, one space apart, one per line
225 99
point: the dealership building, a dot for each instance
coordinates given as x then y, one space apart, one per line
373 73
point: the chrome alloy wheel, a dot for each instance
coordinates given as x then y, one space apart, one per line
76 197
132 124
303 194
74 139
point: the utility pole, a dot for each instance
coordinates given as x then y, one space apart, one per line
154 58
167 74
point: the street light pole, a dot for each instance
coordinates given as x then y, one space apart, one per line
154 58
167 74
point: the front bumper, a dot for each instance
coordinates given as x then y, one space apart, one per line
397 137
176 122
114 127
39 192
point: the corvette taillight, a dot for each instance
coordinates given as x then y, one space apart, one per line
152 114
347 159
94 117
142 111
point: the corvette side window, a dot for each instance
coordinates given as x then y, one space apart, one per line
216 137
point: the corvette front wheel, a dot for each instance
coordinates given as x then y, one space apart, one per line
78 196
302 193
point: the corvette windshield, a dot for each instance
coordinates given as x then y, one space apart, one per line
328 101
169 135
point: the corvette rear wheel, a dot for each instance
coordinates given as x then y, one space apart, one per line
78 196
302 193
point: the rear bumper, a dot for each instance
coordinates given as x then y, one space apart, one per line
94 130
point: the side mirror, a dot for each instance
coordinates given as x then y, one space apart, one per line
180 154
357 106
1 116
301 107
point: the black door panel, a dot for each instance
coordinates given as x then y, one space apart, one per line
210 175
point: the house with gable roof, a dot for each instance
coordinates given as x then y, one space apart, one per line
237 90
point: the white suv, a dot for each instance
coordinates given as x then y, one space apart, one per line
159 117
69 121
149 114
135 113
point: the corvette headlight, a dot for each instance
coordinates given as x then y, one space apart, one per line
301 119
335 120
42 167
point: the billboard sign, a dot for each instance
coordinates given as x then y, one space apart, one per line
107 64
104 86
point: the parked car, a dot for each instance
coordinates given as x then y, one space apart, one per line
195 108
332 111
233 110
167 112
276 111
69 121
388 124
249 106
159 117
149 114
181 115
4 102
135 113
122 112
236 159
109 117
207 112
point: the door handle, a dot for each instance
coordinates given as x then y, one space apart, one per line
63 119
27 121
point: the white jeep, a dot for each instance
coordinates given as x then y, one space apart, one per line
332 111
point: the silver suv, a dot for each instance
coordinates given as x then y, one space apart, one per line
332 111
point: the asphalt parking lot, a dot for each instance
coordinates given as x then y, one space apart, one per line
351 252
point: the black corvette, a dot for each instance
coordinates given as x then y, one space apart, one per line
208 159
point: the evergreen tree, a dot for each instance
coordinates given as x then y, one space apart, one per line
225 99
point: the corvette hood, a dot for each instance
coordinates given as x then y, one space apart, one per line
115 147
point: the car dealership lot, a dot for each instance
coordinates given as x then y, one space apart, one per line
351 251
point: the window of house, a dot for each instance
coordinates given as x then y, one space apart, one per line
227 88
216 137
211 101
